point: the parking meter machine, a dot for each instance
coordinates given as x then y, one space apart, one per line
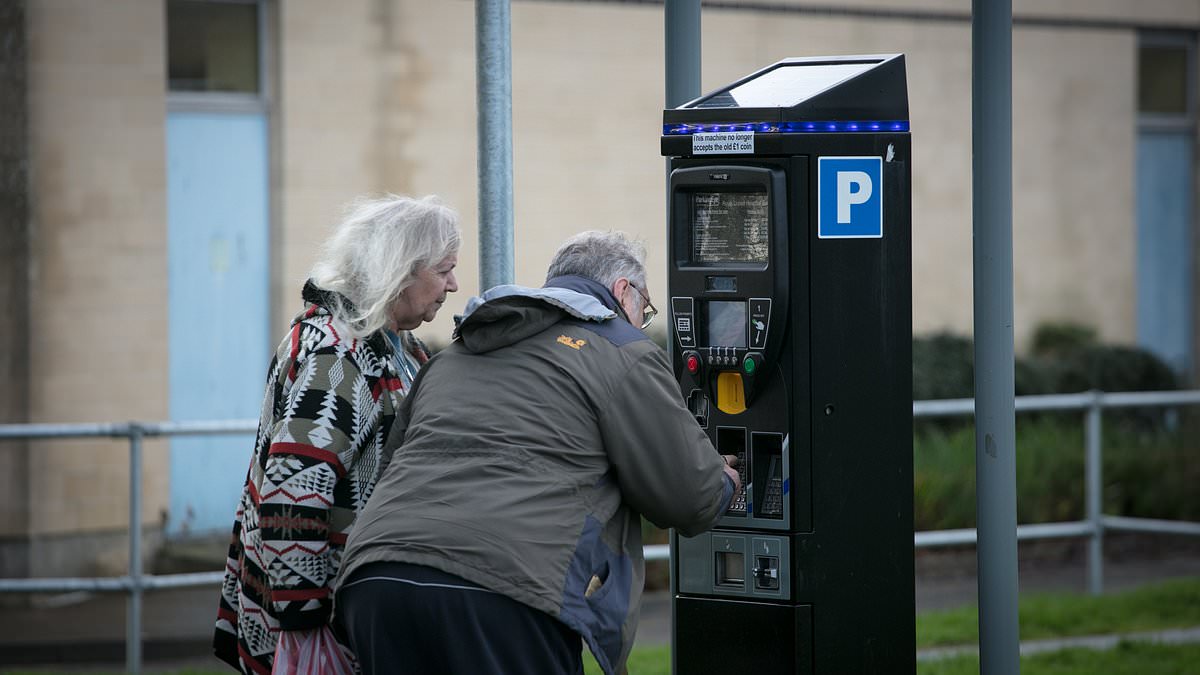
791 338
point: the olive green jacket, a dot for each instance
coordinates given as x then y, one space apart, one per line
532 446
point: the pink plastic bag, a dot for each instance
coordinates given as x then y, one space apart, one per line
311 652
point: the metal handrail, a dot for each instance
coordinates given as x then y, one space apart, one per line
135 582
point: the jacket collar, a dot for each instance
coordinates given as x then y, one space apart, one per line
588 287
324 299
314 294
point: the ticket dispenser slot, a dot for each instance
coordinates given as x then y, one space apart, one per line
730 565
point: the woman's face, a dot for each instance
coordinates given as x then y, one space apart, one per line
424 297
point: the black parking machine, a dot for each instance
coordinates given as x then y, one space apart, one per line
791 338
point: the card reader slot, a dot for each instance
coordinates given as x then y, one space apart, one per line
768 475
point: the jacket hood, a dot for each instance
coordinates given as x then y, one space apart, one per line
507 314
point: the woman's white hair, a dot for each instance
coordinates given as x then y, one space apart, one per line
600 256
376 251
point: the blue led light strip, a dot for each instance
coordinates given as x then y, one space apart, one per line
787 127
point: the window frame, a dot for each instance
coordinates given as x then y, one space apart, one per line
224 101
1185 121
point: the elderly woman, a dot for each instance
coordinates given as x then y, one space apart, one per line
332 392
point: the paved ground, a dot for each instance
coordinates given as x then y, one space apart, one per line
84 632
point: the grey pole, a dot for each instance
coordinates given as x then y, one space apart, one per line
493 87
995 423
133 607
1094 492
681 19
683 51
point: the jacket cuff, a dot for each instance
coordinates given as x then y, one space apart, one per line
726 494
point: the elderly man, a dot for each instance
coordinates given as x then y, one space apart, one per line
506 526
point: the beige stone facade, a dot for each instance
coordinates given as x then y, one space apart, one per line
98 322
379 96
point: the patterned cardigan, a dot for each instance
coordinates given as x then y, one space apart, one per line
327 411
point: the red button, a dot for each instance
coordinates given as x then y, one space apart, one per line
693 364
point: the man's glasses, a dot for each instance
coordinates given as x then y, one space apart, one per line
648 309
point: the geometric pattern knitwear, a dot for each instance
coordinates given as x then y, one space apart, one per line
328 407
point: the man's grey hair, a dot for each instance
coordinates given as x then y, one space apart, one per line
376 251
603 257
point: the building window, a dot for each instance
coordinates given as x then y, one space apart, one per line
213 47
1164 76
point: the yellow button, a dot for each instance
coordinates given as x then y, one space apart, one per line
731 398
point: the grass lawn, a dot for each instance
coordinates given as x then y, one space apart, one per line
1171 604
643 661
1127 658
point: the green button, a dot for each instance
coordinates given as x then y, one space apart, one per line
748 365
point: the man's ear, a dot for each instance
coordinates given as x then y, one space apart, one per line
619 290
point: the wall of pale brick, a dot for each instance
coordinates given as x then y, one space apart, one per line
328 130
98 330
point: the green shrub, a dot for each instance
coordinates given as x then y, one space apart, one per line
1065 358
1077 361
1113 368
1147 472
943 367
944 478
1152 472
1054 338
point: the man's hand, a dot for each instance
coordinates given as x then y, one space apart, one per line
731 462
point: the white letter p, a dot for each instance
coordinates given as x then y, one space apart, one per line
853 187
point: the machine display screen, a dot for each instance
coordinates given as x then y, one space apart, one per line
729 227
727 323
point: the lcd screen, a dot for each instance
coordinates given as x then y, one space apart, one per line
727 323
721 284
729 227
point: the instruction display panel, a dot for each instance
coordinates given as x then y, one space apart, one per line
730 227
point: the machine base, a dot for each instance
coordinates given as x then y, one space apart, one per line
734 636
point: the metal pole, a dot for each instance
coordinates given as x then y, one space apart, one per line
681 37
995 423
493 86
683 51
133 610
1094 496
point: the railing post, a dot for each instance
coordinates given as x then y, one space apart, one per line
1093 494
133 609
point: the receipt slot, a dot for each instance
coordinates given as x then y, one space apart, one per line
791 331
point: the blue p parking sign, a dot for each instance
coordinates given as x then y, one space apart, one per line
850 197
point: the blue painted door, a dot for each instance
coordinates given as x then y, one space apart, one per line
217 221
1165 207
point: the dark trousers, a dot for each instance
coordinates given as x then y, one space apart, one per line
402 618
